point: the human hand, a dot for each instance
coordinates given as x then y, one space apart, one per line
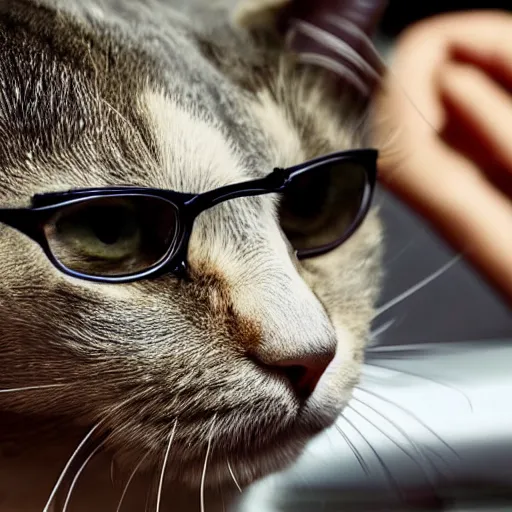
443 122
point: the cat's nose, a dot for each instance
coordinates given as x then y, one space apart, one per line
303 373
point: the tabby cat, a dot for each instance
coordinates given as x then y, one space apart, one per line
124 387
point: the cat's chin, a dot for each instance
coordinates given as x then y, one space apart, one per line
277 455
245 466
242 469
251 465
246 470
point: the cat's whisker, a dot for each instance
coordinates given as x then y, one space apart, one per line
416 449
355 451
112 470
382 431
397 427
410 414
146 504
338 46
399 253
389 146
428 379
164 467
381 330
146 152
203 476
67 466
231 472
75 454
77 476
361 126
316 59
129 481
389 475
417 287
117 113
222 499
420 450
33 388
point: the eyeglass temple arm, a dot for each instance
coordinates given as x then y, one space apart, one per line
24 220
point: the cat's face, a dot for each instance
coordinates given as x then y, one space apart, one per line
94 103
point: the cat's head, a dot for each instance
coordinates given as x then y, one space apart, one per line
152 98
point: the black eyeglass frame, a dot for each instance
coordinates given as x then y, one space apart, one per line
31 221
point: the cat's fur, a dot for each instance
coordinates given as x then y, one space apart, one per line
154 93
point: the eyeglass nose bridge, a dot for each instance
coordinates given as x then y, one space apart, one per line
190 210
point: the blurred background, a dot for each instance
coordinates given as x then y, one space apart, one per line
457 305
401 13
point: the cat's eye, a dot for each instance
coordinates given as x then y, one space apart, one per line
321 206
112 236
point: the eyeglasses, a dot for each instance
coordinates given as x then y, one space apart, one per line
124 234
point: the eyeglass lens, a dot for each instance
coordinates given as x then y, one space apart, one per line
113 236
322 204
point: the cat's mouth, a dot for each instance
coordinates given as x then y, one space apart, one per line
260 432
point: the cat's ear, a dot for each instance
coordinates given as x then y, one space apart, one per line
256 14
283 14
334 34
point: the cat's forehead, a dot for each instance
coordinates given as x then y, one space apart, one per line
80 108
195 152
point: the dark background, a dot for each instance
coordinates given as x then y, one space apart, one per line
459 305
401 13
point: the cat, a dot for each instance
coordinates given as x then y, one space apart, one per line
174 386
